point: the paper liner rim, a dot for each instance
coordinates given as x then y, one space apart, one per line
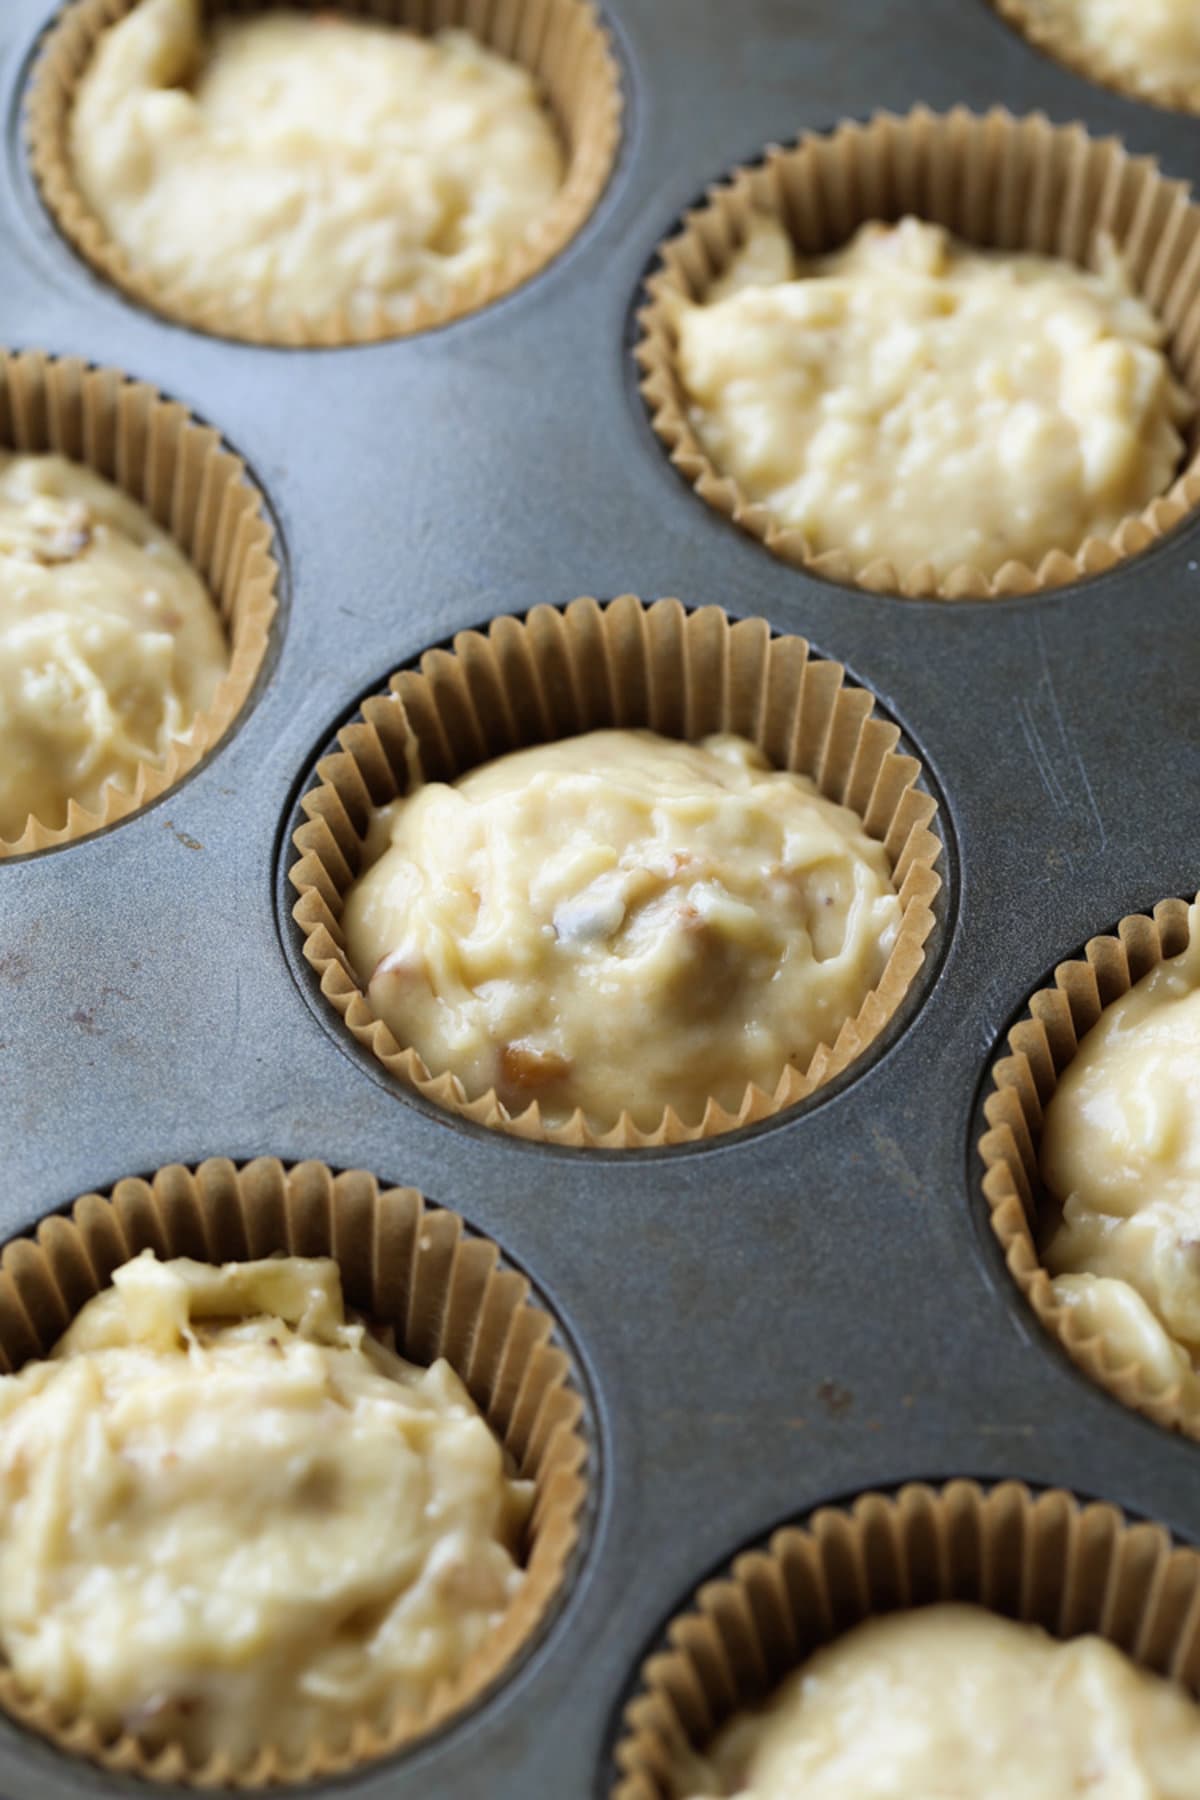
492 1287
1011 1075
879 1006
248 645
589 164
666 404
859 1564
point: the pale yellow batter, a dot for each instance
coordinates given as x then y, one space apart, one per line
912 399
293 166
229 1517
955 1703
1152 46
109 641
1121 1152
620 920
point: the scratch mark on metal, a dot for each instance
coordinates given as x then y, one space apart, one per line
1083 775
1050 758
1069 748
1041 756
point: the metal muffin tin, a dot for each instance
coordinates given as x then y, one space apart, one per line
768 1321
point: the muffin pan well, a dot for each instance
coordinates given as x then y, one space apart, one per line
785 1316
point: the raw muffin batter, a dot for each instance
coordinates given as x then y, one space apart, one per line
109 642
1121 1151
295 165
952 1701
1150 45
229 1517
620 920
913 399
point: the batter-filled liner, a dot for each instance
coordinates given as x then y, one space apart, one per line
1054 38
1043 1558
562 43
1040 1046
195 489
556 673
404 1265
995 181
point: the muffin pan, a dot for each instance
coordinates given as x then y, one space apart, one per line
777 1319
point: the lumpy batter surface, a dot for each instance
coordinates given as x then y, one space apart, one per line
915 400
230 1517
620 921
955 1703
299 165
109 641
1120 1153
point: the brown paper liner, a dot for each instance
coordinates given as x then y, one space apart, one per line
442 1290
1045 1559
557 673
996 181
561 42
1055 38
193 488
1040 1047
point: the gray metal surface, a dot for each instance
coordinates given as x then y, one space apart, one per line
768 1322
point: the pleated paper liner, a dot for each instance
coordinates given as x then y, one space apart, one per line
1042 1558
405 1265
193 488
1040 1046
997 182
561 42
1055 38
557 673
